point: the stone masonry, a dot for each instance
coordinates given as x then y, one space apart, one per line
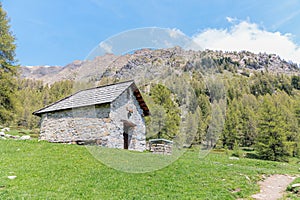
104 124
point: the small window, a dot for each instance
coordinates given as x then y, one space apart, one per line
129 114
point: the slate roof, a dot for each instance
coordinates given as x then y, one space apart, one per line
94 96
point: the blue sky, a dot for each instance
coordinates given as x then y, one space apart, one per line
57 32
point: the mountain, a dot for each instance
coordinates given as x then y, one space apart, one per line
148 63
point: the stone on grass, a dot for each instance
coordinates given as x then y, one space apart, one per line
25 137
12 177
6 129
296 185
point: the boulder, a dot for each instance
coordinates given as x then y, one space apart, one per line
296 185
25 137
6 129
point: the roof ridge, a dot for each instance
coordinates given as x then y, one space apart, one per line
114 84
56 102
103 86
71 95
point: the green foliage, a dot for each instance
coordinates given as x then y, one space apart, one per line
236 150
216 124
262 84
165 114
263 111
296 108
8 71
161 95
295 82
266 83
7 48
157 123
35 95
230 133
270 142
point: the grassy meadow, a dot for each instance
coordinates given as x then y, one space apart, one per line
59 171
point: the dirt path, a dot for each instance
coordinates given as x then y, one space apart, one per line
273 187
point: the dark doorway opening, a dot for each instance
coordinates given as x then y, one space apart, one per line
125 136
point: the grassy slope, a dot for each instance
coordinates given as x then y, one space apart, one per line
57 171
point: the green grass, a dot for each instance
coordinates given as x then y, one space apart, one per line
293 193
59 171
22 131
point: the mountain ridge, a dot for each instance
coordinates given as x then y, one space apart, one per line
129 65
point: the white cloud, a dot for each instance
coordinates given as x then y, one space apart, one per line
249 36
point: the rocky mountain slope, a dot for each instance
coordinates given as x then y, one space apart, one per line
148 63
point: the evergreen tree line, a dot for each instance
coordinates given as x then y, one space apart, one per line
32 95
269 123
262 112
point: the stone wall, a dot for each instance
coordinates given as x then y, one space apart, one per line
103 124
87 123
126 107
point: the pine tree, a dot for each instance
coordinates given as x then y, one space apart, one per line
231 134
156 125
271 138
8 70
291 129
216 124
165 117
248 121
